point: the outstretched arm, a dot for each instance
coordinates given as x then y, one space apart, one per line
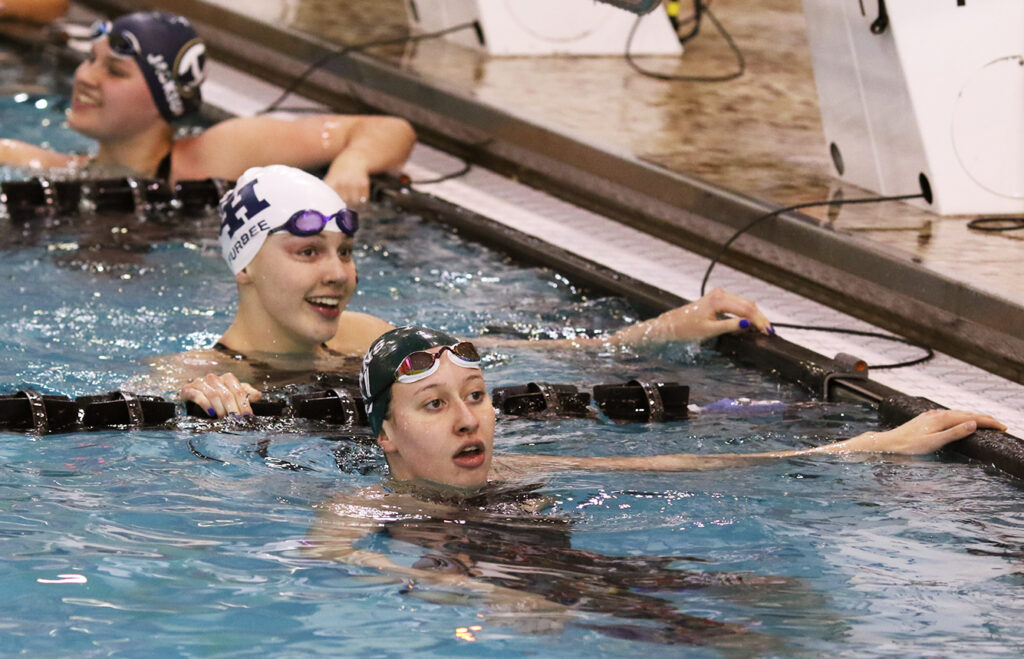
353 146
335 533
923 434
23 154
718 312
696 321
37 11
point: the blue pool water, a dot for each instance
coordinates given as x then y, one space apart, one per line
189 541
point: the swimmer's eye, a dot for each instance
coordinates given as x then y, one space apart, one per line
345 253
307 251
478 396
117 71
434 404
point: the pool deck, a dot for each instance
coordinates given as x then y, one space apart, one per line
727 150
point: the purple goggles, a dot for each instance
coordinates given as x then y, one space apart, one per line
311 222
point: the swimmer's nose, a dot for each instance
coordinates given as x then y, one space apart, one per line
337 271
466 422
86 72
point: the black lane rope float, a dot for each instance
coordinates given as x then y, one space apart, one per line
41 414
40 197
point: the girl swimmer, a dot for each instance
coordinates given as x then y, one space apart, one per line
144 72
288 238
448 490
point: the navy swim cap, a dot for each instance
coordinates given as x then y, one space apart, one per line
383 359
169 52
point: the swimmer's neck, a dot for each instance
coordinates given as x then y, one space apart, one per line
141 153
256 331
423 488
270 348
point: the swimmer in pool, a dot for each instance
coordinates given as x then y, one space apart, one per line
428 406
288 239
35 11
144 72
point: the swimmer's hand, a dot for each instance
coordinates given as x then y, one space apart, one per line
697 321
527 613
221 395
349 175
924 433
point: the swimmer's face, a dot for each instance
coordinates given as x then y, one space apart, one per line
296 288
440 428
110 99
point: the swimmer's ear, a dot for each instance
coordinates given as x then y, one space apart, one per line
385 442
243 276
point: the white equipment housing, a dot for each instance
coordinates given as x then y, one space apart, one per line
545 27
938 91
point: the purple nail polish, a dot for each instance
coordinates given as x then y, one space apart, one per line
771 329
744 323
211 412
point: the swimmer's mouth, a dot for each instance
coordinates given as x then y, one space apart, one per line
330 302
470 451
86 99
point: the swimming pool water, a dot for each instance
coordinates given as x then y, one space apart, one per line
188 541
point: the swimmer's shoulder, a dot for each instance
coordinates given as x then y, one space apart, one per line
23 154
356 331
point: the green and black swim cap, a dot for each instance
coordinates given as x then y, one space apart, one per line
382 360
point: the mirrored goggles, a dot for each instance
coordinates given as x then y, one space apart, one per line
422 364
311 222
121 43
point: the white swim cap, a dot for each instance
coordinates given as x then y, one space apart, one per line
265 198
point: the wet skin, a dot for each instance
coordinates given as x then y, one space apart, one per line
441 429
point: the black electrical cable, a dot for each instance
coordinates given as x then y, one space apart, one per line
462 171
996 224
328 56
929 353
698 10
740 61
445 177
810 204
321 61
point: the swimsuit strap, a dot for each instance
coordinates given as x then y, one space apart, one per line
331 351
163 170
220 347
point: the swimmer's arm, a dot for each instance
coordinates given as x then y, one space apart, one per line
348 143
718 312
333 537
39 11
925 433
696 321
374 145
23 154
